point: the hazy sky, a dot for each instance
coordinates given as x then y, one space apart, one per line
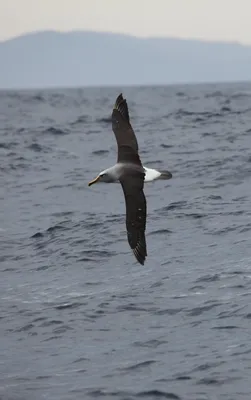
206 19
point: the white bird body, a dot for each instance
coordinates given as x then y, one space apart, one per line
151 174
111 175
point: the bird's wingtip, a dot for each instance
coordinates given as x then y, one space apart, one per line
140 260
140 254
118 101
121 106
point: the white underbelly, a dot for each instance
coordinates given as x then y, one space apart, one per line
151 174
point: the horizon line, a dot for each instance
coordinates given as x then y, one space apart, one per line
132 85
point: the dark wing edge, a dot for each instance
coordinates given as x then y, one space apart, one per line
136 213
140 251
124 133
121 106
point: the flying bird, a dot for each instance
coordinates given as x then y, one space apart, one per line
131 174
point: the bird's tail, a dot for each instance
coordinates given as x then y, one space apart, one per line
165 175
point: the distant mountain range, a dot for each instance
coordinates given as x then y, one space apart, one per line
81 58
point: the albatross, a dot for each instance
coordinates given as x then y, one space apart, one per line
131 174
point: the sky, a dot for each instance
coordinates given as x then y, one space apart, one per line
225 20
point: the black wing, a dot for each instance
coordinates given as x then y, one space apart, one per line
136 211
124 133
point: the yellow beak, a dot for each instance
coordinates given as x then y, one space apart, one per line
93 181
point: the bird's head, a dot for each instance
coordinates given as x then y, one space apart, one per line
103 176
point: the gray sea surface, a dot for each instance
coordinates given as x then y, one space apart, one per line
79 317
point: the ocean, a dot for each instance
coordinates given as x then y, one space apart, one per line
80 318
